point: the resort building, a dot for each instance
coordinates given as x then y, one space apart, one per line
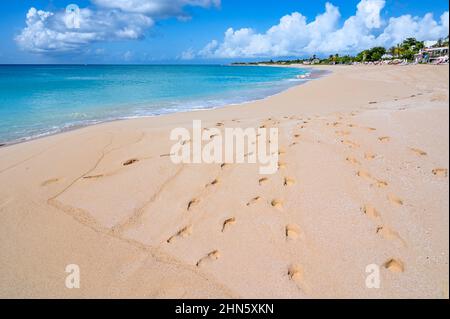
432 55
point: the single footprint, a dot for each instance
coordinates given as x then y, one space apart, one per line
93 176
370 212
254 200
281 165
263 181
184 232
292 231
394 265
289 181
384 139
214 255
193 202
342 133
395 199
364 174
228 222
442 172
418 151
219 124
369 156
213 183
295 274
350 144
380 184
130 162
352 160
389 234
281 151
223 165
277 204
50 181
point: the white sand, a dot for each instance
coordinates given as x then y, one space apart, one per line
360 149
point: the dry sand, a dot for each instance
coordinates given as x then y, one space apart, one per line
363 180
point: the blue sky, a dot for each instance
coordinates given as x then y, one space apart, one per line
193 31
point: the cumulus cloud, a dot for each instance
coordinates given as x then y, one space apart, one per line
156 8
72 30
53 32
295 36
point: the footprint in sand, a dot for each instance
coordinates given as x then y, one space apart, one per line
380 184
441 172
369 156
213 183
277 204
254 200
394 265
350 144
219 124
228 222
263 181
223 165
130 162
418 151
288 181
183 233
192 203
395 199
370 211
292 231
342 133
295 273
214 255
389 234
281 151
50 181
353 160
384 139
364 174
93 176
281 165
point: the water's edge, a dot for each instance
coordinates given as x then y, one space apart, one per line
314 75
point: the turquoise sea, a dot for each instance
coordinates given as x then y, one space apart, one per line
37 100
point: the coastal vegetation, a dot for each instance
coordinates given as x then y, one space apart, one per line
405 51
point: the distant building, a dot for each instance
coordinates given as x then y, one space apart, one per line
432 55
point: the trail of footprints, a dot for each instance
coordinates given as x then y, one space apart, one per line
394 265
292 232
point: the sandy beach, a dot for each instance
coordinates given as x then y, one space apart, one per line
362 180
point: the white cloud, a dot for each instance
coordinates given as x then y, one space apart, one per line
48 32
294 36
156 8
189 54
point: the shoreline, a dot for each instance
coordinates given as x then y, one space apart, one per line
320 73
362 180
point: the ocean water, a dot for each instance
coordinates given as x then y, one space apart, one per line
36 100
